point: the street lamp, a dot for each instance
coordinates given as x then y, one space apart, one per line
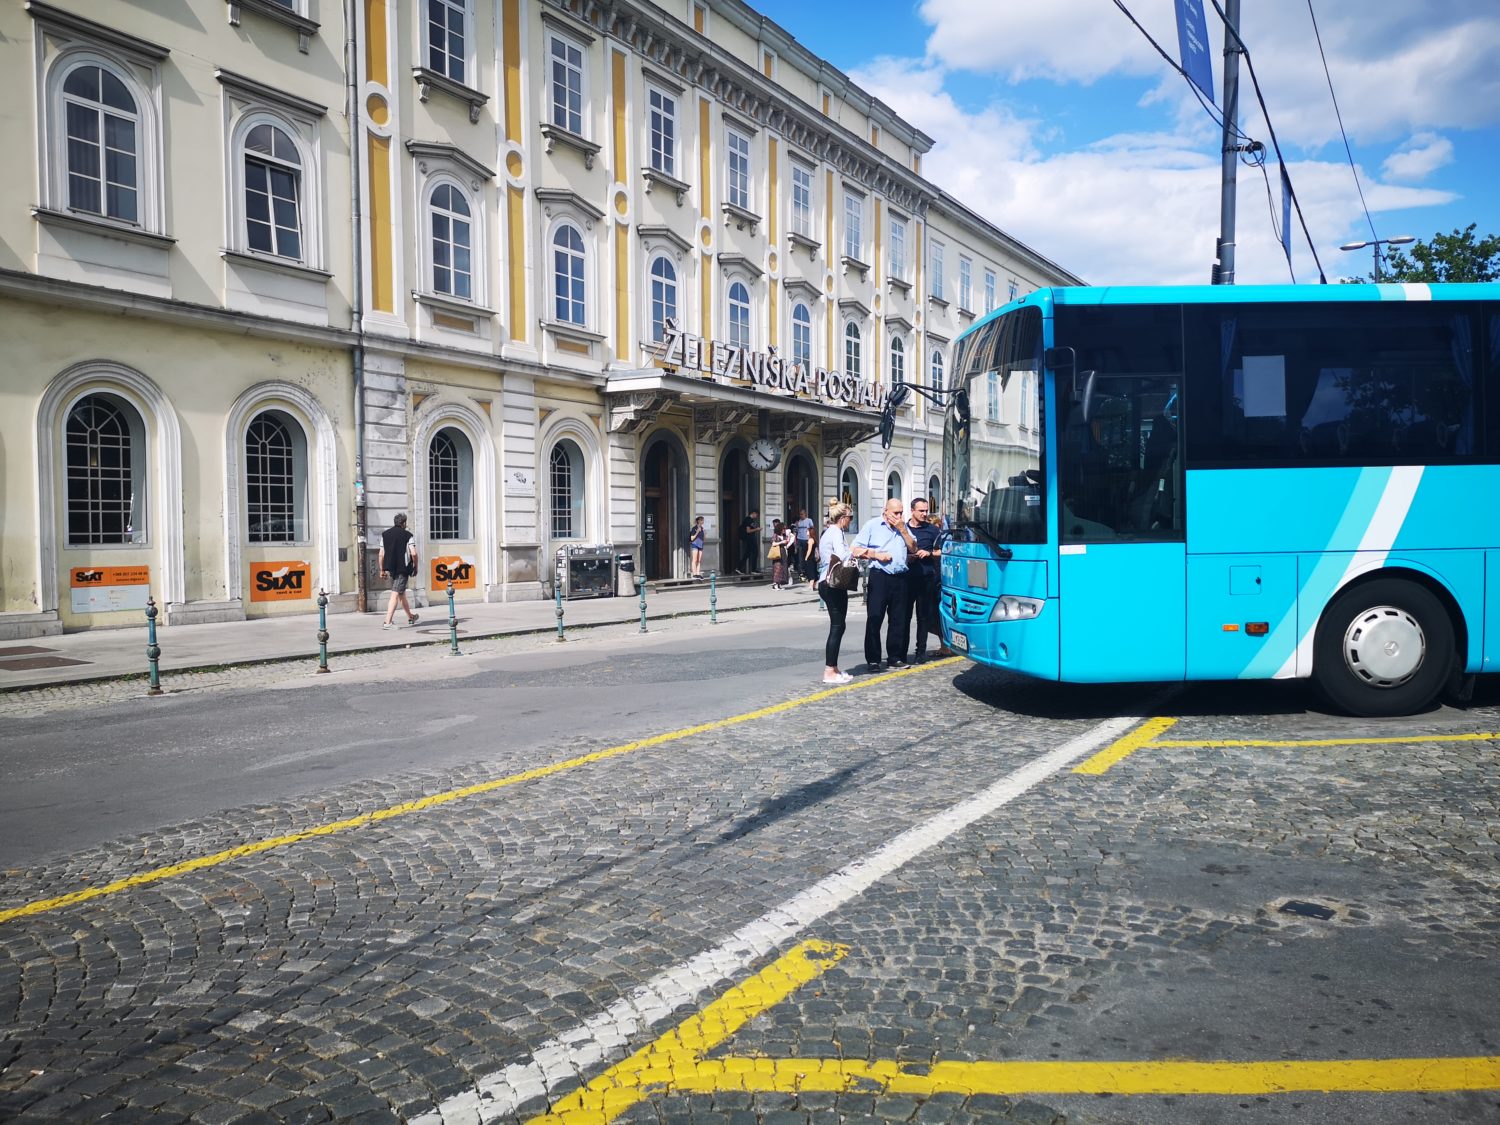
1375 244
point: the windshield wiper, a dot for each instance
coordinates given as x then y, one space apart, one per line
1002 553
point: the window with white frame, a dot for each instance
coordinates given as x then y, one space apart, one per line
965 283
275 479
737 180
935 266
450 486
102 122
663 283
452 231
802 200
273 192
565 59
935 370
853 347
569 265
898 360
993 398
802 336
447 38
898 248
739 315
104 440
662 113
566 490
893 486
989 290
854 225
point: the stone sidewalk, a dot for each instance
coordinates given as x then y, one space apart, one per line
107 654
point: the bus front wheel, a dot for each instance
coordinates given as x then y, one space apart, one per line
1383 648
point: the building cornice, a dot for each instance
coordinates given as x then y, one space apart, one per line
57 19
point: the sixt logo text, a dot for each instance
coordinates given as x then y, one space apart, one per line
284 579
88 576
445 572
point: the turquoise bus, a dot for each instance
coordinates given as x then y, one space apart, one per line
1230 482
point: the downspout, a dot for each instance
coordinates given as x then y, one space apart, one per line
357 296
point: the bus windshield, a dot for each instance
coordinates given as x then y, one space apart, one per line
992 438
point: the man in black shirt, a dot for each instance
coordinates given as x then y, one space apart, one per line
923 575
398 561
750 542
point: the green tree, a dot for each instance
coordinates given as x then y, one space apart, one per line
1446 257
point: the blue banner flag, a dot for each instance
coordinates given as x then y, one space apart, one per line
1286 214
1192 40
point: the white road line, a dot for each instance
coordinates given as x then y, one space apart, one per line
565 1059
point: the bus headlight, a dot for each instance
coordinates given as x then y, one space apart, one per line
1010 608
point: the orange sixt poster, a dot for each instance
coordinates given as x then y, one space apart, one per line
280 581
461 570
104 589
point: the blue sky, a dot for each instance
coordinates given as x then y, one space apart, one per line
1056 120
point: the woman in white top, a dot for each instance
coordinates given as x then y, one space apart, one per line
833 543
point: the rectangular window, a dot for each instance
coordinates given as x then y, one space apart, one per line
936 265
567 84
445 38
994 396
738 180
989 290
965 283
898 248
663 109
802 194
854 225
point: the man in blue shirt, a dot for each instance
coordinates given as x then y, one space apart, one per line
886 542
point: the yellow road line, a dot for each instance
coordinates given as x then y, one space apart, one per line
1233 743
663 1064
421 804
1137 739
1173 1076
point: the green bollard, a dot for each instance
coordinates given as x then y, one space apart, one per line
713 597
452 623
153 650
641 582
557 598
322 631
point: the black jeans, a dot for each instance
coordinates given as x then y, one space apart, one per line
887 603
924 600
749 556
837 602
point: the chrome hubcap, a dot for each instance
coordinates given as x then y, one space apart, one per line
1384 646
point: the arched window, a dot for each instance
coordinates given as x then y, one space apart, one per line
570 297
275 479
450 486
739 315
898 360
103 144
452 243
105 443
849 491
937 369
935 494
273 193
893 486
852 345
565 475
663 296
802 336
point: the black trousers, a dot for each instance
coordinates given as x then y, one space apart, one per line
887 604
837 602
924 600
749 555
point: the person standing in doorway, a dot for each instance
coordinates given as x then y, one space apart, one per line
806 546
695 546
882 542
750 542
398 562
836 600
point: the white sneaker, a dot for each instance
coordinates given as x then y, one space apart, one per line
841 678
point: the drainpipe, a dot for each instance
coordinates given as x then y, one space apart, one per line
357 297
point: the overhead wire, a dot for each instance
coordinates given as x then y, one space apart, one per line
1208 107
1318 36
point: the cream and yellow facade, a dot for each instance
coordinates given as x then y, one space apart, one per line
537 273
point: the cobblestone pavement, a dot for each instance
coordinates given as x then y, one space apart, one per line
388 969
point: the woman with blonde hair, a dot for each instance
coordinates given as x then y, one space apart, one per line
834 545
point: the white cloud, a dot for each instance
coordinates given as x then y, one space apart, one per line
1418 158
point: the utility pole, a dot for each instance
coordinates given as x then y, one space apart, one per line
1223 272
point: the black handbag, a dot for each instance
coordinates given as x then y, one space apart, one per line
843 574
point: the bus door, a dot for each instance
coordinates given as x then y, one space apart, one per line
1121 553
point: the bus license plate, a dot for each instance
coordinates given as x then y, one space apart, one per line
960 642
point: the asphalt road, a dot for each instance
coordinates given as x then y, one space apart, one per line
668 878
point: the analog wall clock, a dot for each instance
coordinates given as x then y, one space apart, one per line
764 455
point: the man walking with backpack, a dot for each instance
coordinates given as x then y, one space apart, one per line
398 561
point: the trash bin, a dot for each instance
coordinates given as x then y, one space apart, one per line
625 570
